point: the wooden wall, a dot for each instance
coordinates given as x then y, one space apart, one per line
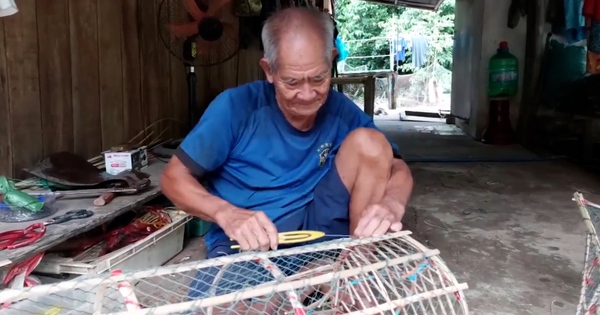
82 75
242 68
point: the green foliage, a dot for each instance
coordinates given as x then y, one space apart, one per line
437 27
360 21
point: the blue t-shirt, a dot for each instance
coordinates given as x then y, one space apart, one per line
254 159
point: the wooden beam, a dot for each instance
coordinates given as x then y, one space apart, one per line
369 85
409 4
534 54
6 162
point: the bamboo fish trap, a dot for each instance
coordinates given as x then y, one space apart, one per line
392 274
590 287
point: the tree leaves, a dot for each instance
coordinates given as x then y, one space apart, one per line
365 27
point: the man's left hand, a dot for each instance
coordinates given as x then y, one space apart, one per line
377 219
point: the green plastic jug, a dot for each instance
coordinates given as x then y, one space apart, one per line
503 73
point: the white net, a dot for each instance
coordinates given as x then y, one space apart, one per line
392 274
590 290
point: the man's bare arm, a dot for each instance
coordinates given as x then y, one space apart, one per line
251 229
183 189
400 185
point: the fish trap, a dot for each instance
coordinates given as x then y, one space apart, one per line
391 274
590 290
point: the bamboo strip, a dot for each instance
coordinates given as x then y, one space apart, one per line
411 299
582 205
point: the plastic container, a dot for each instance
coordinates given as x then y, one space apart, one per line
503 73
197 228
152 251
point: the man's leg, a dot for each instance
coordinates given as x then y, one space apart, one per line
358 178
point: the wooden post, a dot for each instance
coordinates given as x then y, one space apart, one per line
369 96
368 81
392 90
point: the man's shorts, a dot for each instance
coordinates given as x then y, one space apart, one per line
328 212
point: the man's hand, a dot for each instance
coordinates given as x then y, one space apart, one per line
378 219
253 230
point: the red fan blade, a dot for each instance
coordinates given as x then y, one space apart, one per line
216 7
184 30
192 8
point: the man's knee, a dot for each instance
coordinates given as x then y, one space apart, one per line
369 143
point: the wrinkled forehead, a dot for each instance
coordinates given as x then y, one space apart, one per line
303 51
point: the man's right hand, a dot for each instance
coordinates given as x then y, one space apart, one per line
252 230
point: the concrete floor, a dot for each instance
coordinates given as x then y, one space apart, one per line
508 229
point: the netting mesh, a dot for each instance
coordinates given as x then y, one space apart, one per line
391 274
590 287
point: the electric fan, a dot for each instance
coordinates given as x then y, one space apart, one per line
199 33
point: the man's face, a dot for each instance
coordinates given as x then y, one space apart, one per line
303 75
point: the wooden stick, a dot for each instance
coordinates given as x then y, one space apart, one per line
411 299
147 137
154 124
584 285
158 137
581 204
99 299
158 142
139 134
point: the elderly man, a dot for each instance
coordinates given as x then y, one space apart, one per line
282 155
288 153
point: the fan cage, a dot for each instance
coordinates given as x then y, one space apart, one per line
205 54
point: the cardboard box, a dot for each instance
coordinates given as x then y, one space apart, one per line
117 162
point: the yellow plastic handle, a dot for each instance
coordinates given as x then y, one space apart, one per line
294 237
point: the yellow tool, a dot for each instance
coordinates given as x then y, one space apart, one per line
53 311
294 237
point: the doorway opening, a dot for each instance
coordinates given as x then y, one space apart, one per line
408 50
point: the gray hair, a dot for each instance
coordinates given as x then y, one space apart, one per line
306 18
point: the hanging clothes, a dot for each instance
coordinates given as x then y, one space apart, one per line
591 10
399 51
591 13
342 49
593 63
420 47
593 48
575 29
